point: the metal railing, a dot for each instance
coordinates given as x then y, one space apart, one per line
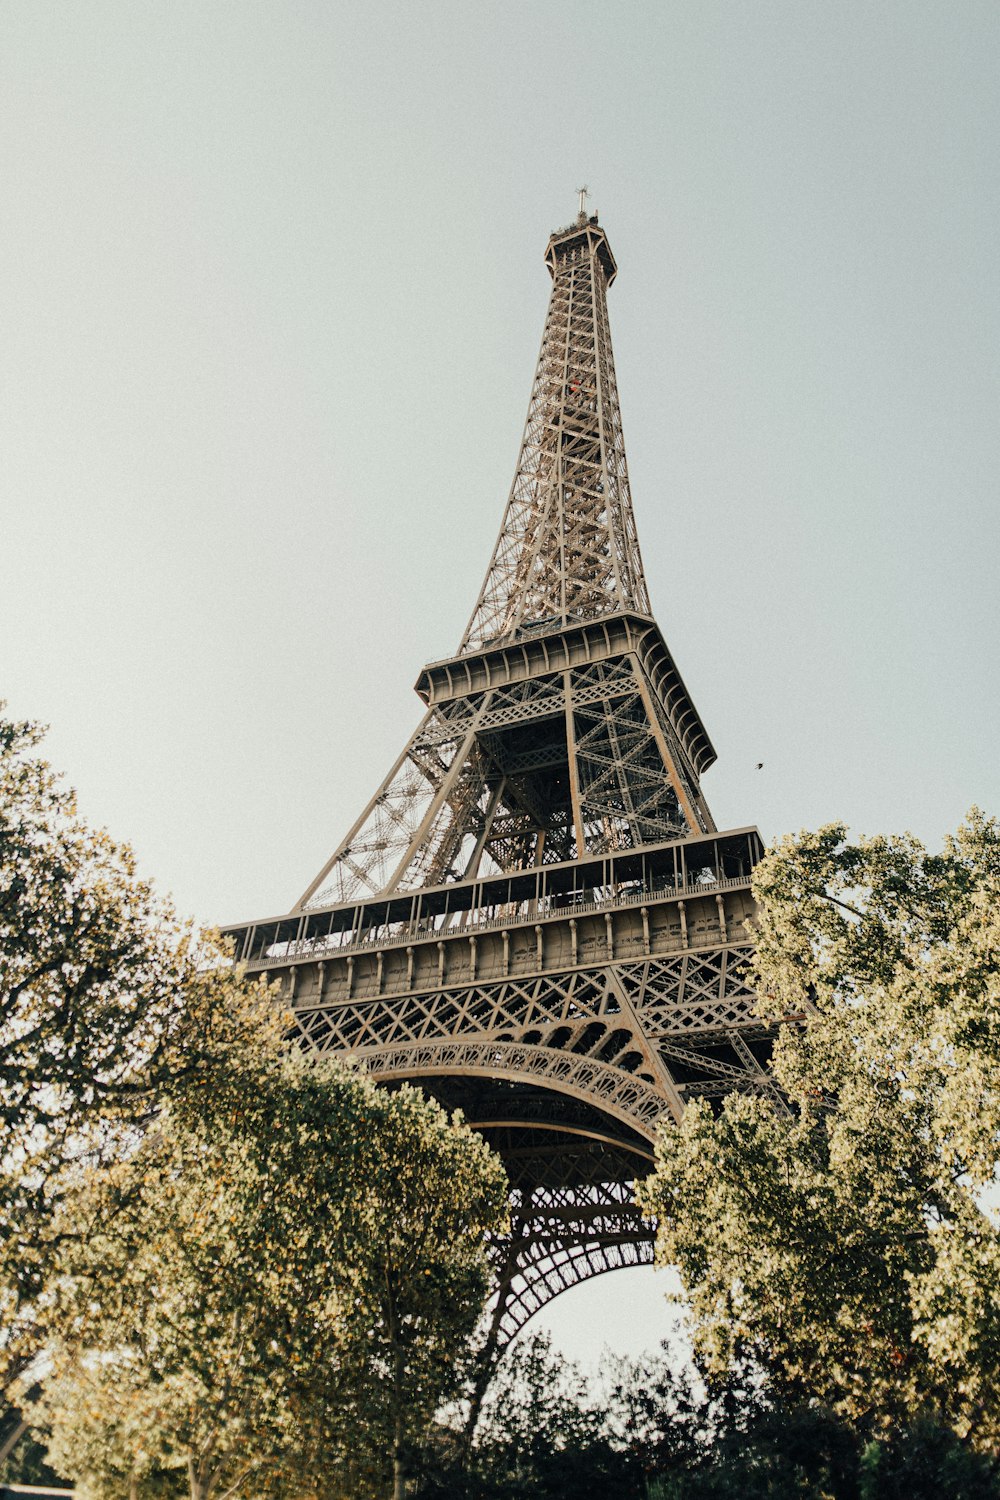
531 910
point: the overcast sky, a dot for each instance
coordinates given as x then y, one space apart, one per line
271 291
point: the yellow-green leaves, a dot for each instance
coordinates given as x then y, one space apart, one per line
280 1286
847 1244
109 1004
242 1264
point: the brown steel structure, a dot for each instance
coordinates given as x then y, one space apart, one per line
535 917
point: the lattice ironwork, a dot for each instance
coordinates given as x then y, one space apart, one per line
559 765
534 917
567 548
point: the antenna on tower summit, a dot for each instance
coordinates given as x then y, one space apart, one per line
584 194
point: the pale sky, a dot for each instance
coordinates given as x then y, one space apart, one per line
271 292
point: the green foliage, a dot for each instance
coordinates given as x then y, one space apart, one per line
107 1001
281 1299
657 1431
663 1412
846 1244
805 1453
544 1432
244 1267
927 1462
800 1453
27 1463
538 1436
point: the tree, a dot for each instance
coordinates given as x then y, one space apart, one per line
160 1156
849 1243
437 1193
27 1464
546 1432
653 1429
108 1003
662 1410
540 1436
276 1301
796 1453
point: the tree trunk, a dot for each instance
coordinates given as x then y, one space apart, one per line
398 1471
398 1478
196 1481
13 1437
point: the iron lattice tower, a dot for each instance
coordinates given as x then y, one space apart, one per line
535 916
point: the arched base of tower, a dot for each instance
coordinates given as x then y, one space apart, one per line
572 1171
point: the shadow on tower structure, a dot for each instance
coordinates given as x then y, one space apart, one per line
535 918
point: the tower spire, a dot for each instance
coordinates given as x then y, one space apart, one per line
567 549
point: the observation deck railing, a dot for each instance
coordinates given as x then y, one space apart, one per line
465 923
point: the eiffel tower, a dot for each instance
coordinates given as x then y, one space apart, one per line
535 917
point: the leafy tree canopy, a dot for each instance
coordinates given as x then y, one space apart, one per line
276 1304
850 1243
108 1002
654 1429
244 1266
